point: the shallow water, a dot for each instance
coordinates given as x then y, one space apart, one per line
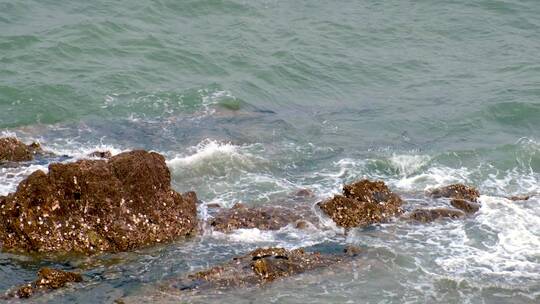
252 100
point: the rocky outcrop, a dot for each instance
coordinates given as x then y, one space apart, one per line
263 218
424 215
362 203
462 197
48 279
13 150
258 267
88 206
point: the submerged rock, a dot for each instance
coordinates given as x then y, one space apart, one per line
519 197
429 215
263 218
260 266
363 203
112 205
462 197
48 279
13 150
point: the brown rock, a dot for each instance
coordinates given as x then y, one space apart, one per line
519 198
12 149
88 206
429 215
462 197
48 279
101 154
263 218
260 266
364 203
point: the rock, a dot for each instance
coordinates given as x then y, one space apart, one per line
303 193
263 218
363 203
213 205
258 267
101 154
519 198
89 206
462 197
429 215
48 279
13 150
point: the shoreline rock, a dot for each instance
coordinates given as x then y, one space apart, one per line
48 279
363 203
13 150
119 204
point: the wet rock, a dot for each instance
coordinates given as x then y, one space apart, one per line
88 206
363 203
213 205
519 198
462 197
258 267
304 193
429 215
13 150
48 279
263 218
101 154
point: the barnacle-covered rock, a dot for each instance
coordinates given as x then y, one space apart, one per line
48 279
462 197
13 150
425 215
263 218
119 204
363 203
260 266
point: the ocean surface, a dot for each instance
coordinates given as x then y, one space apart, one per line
252 100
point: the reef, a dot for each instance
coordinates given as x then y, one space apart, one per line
119 204
13 150
48 279
258 267
363 203
461 197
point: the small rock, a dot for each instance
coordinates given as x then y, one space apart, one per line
462 197
13 150
263 218
519 198
363 203
48 279
429 215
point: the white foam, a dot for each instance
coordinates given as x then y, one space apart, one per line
408 164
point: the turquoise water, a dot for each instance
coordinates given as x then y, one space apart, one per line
252 100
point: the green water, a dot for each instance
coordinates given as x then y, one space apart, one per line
250 100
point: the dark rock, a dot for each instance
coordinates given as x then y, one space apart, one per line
13 150
88 206
263 218
258 267
519 198
48 279
302 193
101 154
462 197
430 215
213 205
364 203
